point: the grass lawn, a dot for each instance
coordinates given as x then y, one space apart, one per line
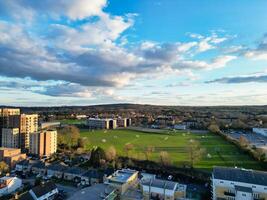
221 152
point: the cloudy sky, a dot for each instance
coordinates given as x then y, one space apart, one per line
169 52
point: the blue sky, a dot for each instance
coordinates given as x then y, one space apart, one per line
168 52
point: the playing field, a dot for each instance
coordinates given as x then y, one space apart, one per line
218 151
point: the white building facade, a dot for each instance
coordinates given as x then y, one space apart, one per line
238 184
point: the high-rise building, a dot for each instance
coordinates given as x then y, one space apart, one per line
28 125
9 118
10 137
43 142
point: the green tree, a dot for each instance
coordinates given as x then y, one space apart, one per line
98 156
4 168
68 136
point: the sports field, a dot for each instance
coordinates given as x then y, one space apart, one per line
218 151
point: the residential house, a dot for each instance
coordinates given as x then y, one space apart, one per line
92 177
74 174
9 185
23 166
39 168
162 189
45 191
56 170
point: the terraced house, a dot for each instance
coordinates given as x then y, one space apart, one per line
238 184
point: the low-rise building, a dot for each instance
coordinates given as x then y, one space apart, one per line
56 170
92 177
11 156
74 174
162 189
122 180
39 168
97 123
179 126
9 185
23 166
238 184
261 131
45 191
123 122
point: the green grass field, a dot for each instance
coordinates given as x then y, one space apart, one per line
222 153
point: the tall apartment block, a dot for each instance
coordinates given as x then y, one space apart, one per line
10 137
43 142
9 118
28 125
238 184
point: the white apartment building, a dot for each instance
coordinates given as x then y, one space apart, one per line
97 123
10 137
162 189
238 184
9 185
262 131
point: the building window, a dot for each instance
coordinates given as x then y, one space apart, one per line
244 195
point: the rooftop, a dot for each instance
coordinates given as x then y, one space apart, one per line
57 167
26 196
75 170
122 176
158 183
240 175
44 189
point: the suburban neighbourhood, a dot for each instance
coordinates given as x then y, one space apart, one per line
78 157
133 100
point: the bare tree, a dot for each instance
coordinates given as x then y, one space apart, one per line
243 141
195 152
127 148
214 128
111 153
164 158
148 151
